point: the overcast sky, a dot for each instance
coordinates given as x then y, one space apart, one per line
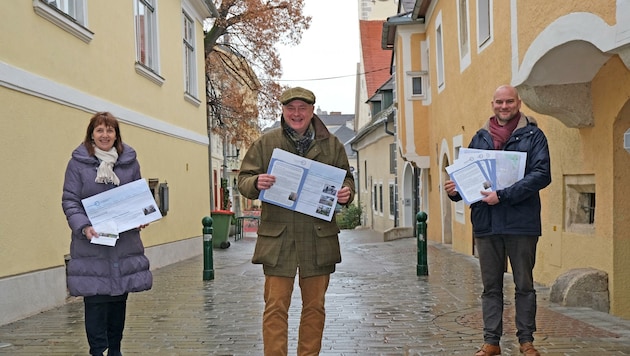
329 49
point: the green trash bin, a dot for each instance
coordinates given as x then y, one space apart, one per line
221 221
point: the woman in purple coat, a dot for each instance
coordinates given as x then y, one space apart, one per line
102 275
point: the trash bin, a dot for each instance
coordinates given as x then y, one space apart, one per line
221 221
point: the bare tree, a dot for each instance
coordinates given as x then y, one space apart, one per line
240 48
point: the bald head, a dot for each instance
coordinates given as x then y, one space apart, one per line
506 103
506 89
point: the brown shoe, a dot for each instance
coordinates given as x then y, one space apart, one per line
528 349
489 350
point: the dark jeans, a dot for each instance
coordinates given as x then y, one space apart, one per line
104 323
521 251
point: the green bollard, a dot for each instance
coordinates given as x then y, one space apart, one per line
422 269
208 269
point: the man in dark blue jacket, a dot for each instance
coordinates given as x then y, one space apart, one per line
507 221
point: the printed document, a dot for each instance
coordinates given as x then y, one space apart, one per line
509 165
120 209
303 185
471 177
478 170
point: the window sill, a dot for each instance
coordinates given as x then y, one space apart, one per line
62 21
582 229
191 99
149 74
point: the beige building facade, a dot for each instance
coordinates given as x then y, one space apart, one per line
376 181
570 61
60 63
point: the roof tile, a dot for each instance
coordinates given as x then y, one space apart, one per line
376 61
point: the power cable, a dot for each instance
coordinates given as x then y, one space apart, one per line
329 78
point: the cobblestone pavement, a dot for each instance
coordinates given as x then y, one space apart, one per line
376 305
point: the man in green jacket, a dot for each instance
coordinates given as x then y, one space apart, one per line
289 241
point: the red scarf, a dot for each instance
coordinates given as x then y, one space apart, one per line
500 134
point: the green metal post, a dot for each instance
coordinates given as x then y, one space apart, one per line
208 268
422 268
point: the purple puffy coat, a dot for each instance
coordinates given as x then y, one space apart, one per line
96 269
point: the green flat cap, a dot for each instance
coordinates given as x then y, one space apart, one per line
297 93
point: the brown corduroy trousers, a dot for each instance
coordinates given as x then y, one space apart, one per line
278 291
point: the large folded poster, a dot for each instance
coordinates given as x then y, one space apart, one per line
303 185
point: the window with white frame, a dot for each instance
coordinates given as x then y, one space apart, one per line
417 80
365 176
439 52
425 53
392 158
380 198
464 34
190 64
375 197
416 86
69 15
145 15
463 27
580 203
72 8
392 199
484 22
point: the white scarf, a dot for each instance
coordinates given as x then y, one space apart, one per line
105 172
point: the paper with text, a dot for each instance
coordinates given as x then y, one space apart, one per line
120 209
303 185
107 234
471 178
509 165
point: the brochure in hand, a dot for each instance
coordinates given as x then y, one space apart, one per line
303 185
485 170
120 209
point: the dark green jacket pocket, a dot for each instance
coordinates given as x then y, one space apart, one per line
327 247
269 243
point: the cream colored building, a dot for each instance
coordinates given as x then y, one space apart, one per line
62 61
570 61
375 178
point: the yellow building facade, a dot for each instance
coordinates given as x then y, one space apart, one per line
60 63
570 61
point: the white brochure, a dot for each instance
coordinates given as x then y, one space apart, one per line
478 170
120 209
303 185
509 166
471 178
